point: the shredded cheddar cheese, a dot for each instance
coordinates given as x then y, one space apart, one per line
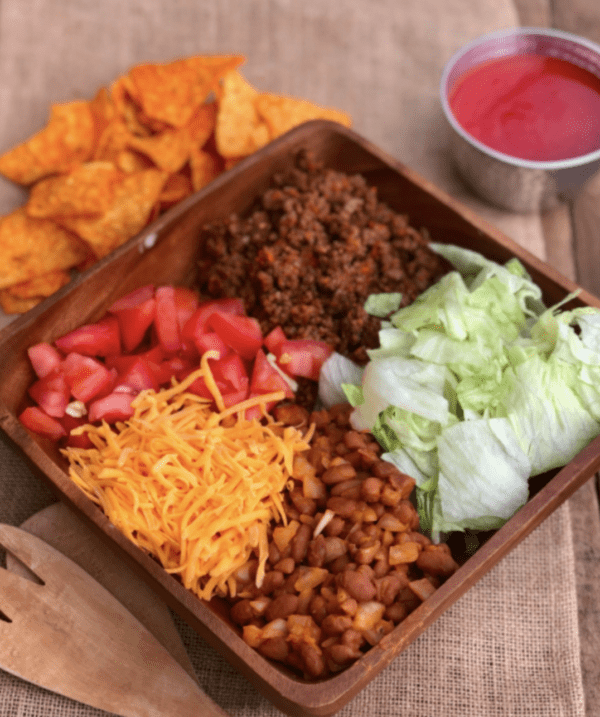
195 488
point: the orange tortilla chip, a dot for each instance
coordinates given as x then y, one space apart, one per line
283 113
40 286
30 247
86 191
240 129
205 167
177 187
65 141
172 92
133 202
14 305
169 150
113 140
202 124
131 161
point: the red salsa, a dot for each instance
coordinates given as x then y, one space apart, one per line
530 106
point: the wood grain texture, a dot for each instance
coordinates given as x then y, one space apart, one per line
70 615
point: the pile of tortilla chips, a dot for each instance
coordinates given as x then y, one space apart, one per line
102 169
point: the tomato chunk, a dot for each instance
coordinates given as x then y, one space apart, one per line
136 373
135 319
99 339
132 299
197 324
40 422
86 377
111 408
51 393
303 357
266 378
186 303
274 339
44 358
211 341
80 441
241 333
165 320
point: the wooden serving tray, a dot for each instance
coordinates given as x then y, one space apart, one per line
165 253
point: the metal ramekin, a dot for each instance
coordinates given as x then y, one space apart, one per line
511 183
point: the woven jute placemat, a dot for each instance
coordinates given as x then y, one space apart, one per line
510 646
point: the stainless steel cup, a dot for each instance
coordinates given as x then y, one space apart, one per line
512 183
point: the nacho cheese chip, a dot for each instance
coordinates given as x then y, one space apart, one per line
67 140
24 296
172 92
30 247
240 130
283 113
134 199
87 190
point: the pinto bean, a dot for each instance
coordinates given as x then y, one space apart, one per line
275 648
358 585
242 613
388 588
312 659
343 507
281 607
336 624
335 526
371 489
355 440
300 543
338 473
317 551
304 505
273 580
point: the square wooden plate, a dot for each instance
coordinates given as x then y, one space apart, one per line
165 253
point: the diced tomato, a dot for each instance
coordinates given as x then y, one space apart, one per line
132 299
87 377
197 324
186 303
51 393
136 373
177 366
99 339
40 422
111 408
44 358
231 378
266 378
241 333
211 341
80 441
303 357
230 399
274 339
165 320
135 314
231 370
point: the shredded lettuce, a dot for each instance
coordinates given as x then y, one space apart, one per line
476 386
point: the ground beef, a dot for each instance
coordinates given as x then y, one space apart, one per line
315 246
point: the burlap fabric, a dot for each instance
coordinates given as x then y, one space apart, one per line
510 646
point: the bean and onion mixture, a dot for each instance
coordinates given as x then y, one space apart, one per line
350 563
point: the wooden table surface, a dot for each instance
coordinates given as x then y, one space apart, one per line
572 239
